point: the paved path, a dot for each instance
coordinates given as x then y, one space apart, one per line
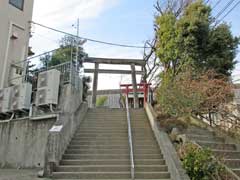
10 174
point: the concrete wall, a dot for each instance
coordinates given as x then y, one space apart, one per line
23 142
13 22
61 134
70 99
26 143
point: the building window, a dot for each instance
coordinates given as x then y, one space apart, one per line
17 3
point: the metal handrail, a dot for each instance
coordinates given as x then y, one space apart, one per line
130 140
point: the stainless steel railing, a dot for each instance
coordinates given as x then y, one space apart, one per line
130 140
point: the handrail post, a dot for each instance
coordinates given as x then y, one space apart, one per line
130 140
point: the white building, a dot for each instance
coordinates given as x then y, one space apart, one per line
14 38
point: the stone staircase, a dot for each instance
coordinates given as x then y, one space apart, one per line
226 151
149 161
100 149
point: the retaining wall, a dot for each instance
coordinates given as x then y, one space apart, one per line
23 142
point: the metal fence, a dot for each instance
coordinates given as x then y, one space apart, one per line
70 74
226 120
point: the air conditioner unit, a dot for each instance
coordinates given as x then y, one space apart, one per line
48 87
21 97
5 95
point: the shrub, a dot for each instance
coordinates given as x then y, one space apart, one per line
191 92
200 163
101 101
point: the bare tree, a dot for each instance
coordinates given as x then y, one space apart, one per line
152 61
174 6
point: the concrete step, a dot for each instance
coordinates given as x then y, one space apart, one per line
100 142
102 131
152 175
104 116
111 146
205 138
232 163
113 162
79 156
107 142
118 138
113 127
96 135
113 133
227 154
137 117
110 139
108 175
110 151
237 171
102 168
106 110
122 119
219 146
200 132
111 122
100 149
94 156
112 111
89 135
109 126
120 179
113 130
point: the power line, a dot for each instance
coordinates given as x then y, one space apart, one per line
45 37
207 1
39 55
228 12
88 39
224 9
217 3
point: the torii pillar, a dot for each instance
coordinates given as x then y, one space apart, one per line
134 83
95 84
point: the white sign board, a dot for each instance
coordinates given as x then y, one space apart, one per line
56 128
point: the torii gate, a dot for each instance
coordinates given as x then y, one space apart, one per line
131 62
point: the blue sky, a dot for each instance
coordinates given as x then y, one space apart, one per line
118 21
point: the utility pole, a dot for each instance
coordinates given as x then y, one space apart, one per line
77 44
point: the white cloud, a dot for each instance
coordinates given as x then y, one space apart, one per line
59 12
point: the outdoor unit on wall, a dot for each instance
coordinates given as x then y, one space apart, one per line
21 97
5 95
48 87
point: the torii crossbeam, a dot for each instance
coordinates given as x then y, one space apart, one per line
131 62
